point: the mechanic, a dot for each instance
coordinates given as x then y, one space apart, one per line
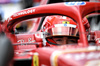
60 30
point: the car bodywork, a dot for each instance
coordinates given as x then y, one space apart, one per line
30 46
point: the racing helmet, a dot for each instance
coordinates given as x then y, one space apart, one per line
59 29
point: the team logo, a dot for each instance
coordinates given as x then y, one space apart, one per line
65 23
35 59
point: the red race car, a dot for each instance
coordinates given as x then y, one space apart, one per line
60 35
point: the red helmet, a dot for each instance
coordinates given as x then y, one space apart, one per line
58 27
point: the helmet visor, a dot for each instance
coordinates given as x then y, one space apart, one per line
62 31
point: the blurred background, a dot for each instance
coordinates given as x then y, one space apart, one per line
9 7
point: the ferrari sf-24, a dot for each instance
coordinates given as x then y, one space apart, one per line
60 34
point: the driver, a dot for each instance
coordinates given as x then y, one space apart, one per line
59 30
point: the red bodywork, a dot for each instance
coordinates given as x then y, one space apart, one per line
30 46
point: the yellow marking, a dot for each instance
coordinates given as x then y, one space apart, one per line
55 59
35 60
87 16
63 22
66 22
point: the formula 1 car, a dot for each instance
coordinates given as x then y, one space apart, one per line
32 45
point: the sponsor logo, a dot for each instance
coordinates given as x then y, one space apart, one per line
22 40
74 3
24 12
84 56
